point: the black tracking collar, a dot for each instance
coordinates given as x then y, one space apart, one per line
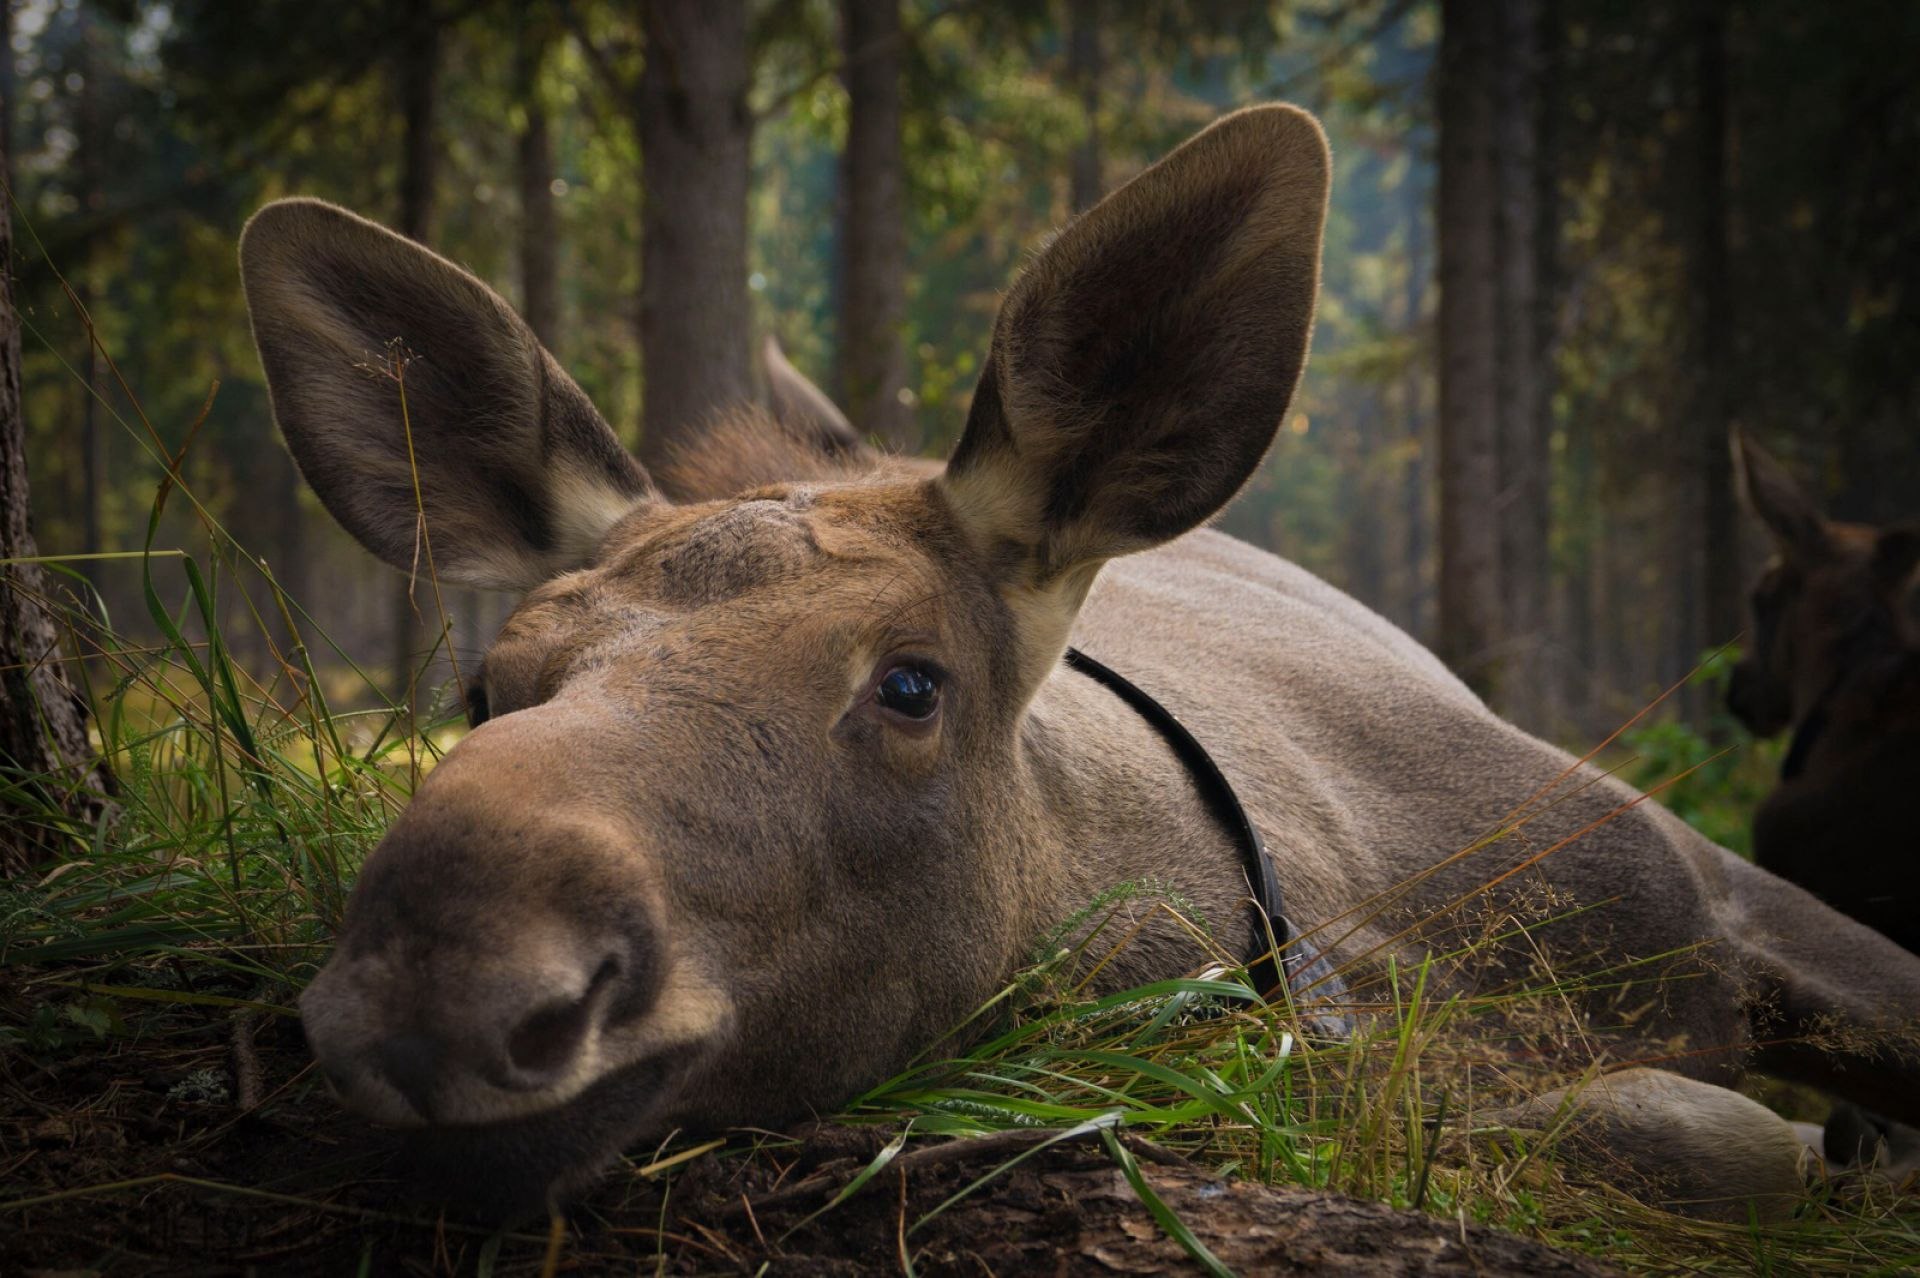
1271 930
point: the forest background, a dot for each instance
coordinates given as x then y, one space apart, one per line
1572 245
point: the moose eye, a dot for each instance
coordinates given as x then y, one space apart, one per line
909 691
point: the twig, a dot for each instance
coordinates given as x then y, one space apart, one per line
599 60
1386 19
900 1234
866 53
246 1063
746 1206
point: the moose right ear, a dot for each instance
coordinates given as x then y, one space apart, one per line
407 388
1798 529
1142 363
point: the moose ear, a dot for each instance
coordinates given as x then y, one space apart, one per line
803 409
1798 529
406 387
1142 363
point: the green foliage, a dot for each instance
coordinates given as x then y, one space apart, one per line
1714 781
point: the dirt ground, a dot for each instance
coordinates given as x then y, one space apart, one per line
136 1159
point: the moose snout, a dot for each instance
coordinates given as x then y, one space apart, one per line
499 956
469 1039
1755 701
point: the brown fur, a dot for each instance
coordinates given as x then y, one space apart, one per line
1834 658
690 871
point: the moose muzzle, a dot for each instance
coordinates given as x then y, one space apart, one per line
499 956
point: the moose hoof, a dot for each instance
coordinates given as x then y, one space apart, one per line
1859 1139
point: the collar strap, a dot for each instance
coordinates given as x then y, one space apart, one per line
1270 928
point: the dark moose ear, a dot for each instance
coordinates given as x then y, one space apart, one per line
517 474
1142 363
1798 529
803 409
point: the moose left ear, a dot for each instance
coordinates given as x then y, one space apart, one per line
419 406
1141 365
1798 529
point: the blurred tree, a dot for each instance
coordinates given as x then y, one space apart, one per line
1524 430
696 132
88 159
539 220
44 750
1086 66
871 374
1471 590
416 75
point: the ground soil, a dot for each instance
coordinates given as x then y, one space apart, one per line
135 1159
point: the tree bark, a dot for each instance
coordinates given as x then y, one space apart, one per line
1086 67
539 220
418 73
1522 507
1469 462
87 170
872 373
696 133
1414 481
1363 549
1720 613
43 727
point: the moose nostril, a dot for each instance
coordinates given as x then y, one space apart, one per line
410 1062
548 1039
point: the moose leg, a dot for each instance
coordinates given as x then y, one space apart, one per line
1700 1149
1832 1002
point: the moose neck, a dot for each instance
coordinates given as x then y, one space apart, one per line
1116 818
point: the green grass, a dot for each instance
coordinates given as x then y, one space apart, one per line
247 804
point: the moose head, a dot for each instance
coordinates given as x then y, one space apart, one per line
1833 595
759 800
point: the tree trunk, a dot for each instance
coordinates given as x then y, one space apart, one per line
1469 622
418 73
872 376
1086 66
539 221
1701 533
696 133
43 728
1363 558
1720 611
1415 499
1557 641
1522 508
87 122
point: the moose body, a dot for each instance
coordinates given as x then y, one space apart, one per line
776 783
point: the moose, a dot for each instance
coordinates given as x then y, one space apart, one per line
1834 660
774 780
